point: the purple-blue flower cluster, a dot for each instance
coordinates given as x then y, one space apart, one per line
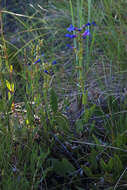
70 35
84 34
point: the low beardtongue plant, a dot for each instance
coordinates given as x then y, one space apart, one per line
47 79
47 74
74 33
79 34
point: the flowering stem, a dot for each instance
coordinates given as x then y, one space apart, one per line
81 77
87 50
73 23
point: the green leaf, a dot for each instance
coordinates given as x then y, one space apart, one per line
44 155
87 171
119 140
2 105
115 166
110 164
62 167
9 95
61 122
79 125
79 188
10 101
68 166
85 98
8 85
53 101
12 87
93 159
89 112
97 143
103 165
117 163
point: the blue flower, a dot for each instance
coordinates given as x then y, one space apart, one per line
45 71
69 46
70 36
86 33
88 24
71 28
54 62
38 61
93 23
78 29
50 73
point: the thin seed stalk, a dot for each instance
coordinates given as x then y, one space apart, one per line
46 87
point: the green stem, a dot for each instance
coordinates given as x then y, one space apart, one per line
73 23
87 50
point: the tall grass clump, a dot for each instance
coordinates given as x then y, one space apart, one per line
63 95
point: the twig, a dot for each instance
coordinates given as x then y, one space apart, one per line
101 145
116 185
